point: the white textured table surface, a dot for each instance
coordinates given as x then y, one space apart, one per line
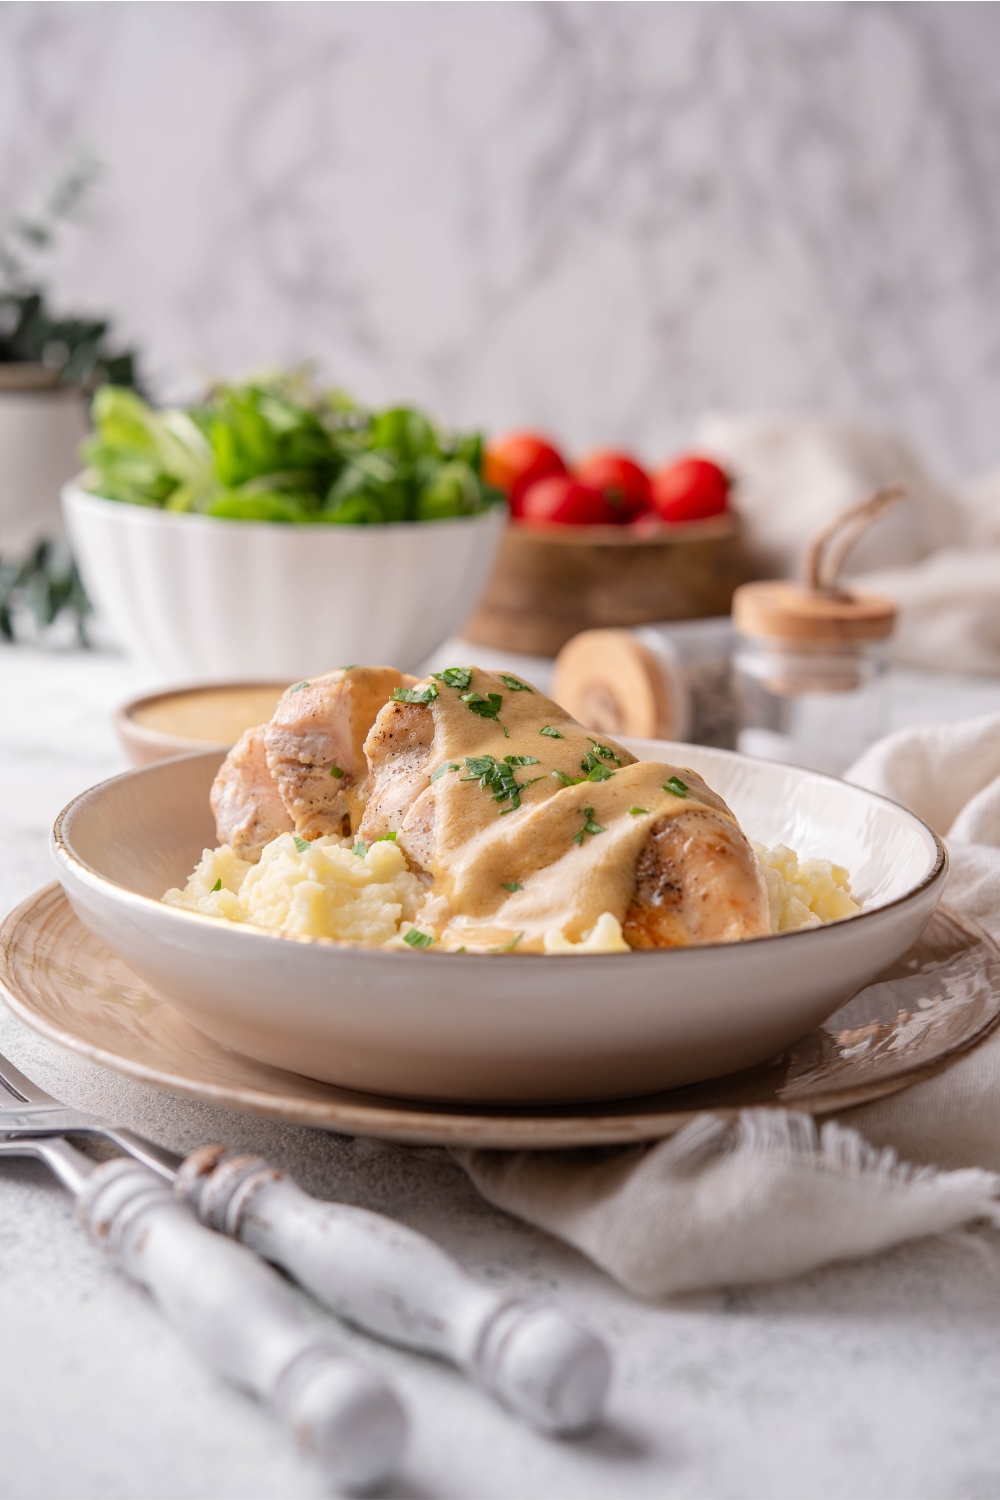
879 1379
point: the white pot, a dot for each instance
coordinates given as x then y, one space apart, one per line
40 433
196 598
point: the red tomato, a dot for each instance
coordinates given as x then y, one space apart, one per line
568 501
690 489
623 484
515 462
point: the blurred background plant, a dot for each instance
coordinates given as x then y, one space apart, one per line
41 594
75 350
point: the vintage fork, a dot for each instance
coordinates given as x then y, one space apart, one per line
237 1312
373 1272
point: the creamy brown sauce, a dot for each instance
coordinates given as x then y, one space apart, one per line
216 715
569 875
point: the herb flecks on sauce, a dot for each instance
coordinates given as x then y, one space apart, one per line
299 686
514 685
675 785
638 811
512 885
605 751
387 837
415 695
497 777
336 771
553 734
455 677
589 826
567 780
486 708
448 765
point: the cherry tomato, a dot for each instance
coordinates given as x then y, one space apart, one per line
514 463
690 489
623 484
568 501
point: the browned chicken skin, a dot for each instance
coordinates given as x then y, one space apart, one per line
696 881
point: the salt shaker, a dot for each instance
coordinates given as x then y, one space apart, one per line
811 657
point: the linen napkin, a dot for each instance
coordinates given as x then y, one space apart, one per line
773 1194
937 555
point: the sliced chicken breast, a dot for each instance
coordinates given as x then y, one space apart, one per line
245 800
315 746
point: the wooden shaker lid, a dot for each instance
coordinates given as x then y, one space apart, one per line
783 611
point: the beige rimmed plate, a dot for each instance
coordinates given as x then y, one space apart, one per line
915 1019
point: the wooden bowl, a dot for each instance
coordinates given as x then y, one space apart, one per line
550 582
211 716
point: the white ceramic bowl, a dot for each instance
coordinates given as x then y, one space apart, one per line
504 1027
195 598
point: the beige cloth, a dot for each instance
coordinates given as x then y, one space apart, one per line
937 554
772 1194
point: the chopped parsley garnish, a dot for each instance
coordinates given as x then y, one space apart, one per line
486 708
605 751
589 826
506 947
512 885
360 849
553 734
299 686
349 668
676 785
417 939
514 685
600 773
591 762
415 695
637 811
218 885
384 837
497 777
448 765
567 780
456 677
336 771
301 844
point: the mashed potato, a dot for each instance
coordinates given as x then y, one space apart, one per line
322 889
331 888
804 894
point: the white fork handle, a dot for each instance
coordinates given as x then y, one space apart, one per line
398 1284
245 1322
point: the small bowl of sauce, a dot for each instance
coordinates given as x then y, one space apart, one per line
181 720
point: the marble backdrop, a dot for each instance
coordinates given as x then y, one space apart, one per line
606 219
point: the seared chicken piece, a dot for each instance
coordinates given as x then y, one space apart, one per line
696 881
398 750
590 829
315 746
248 809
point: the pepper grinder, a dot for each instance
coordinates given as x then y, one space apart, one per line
811 657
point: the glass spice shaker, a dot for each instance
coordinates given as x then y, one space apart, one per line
810 661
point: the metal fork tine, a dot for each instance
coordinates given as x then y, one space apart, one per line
20 1088
15 1089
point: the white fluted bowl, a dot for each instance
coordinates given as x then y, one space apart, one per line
197 598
